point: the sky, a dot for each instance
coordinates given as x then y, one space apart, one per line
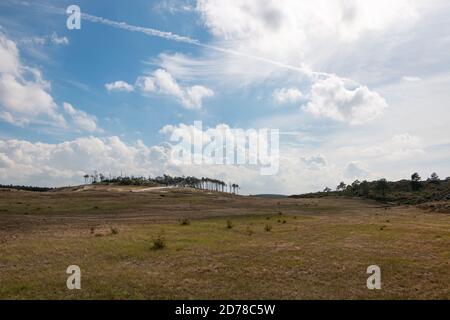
358 89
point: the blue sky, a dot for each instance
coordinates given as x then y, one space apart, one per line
361 86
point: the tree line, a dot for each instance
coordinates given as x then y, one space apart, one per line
167 180
433 188
26 188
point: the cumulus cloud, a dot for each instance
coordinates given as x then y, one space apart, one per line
64 163
81 119
200 137
24 94
27 97
58 164
300 170
162 82
119 86
306 35
332 98
287 95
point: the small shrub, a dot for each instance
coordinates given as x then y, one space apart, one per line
284 221
184 222
92 230
159 242
268 227
114 231
229 224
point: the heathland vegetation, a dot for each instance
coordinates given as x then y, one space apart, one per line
413 191
134 242
151 238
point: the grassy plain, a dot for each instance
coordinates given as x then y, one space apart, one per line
315 248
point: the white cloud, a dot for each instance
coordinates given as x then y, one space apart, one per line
27 101
58 164
194 96
27 97
81 119
300 34
331 98
24 95
66 162
9 56
162 82
301 170
284 95
9 118
299 28
5 162
119 86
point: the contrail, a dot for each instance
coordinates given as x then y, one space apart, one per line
147 31
178 38
174 37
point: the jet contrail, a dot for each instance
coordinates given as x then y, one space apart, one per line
175 37
147 31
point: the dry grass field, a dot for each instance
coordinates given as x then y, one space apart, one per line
229 247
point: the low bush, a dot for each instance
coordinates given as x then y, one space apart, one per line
159 242
184 222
